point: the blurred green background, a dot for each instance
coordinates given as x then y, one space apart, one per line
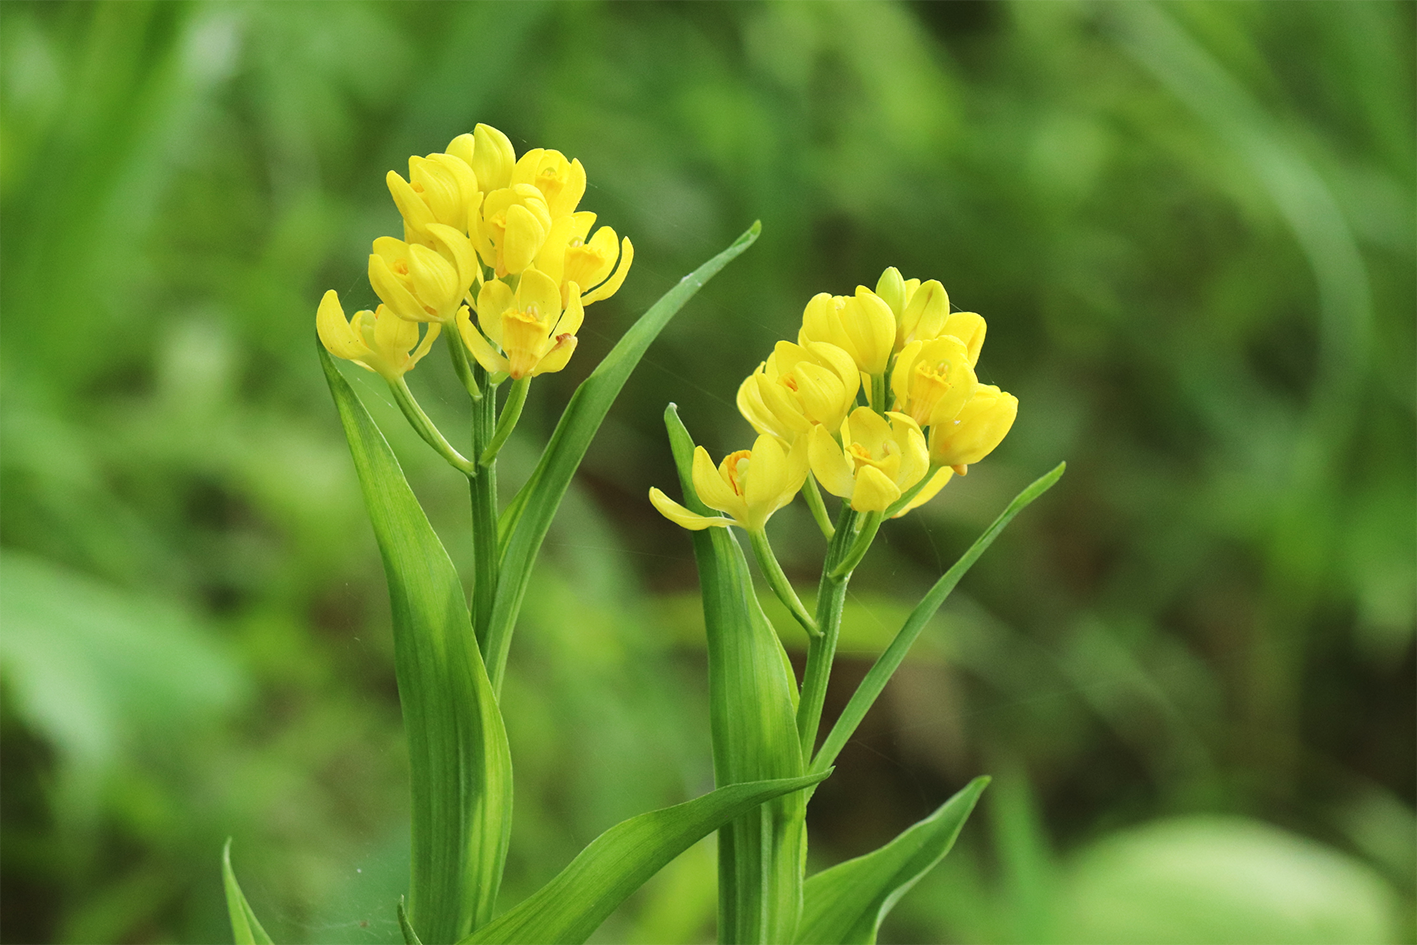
1190 667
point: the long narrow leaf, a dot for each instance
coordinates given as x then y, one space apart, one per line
846 903
245 927
753 723
886 664
461 769
531 511
620 861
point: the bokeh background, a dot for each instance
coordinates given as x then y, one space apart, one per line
1190 667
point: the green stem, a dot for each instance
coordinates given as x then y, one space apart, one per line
878 393
461 367
889 661
486 558
425 428
507 422
910 493
778 581
818 508
821 650
869 526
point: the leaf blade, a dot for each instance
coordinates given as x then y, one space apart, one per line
530 512
846 903
574 903
245 927
461 774
753 724
886 664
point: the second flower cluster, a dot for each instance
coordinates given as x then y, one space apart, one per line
878 400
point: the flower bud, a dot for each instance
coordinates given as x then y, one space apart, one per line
980 426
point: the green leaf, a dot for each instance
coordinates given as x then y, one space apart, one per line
887 663
410 937
245 927
621 860
847 902
753 723
461 769
530 512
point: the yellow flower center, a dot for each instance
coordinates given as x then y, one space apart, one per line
861 456
736 467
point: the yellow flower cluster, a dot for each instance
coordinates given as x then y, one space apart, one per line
487 232
925 416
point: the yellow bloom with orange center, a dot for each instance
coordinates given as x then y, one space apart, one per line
511 228
981 425
861 325
526 332
571 254
876 461
377 341
799 387
748 486
561 182
423 284
932 380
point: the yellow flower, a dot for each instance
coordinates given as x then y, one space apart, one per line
377 341
569 256
490 155
932 380
534 334
440 189
512 226
748 486
862 326
422 284
561 182
875 462
922 313
797 387
980 426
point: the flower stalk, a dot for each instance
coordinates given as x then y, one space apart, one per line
777 580
507 421
425 428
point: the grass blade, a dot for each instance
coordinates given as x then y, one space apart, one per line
530 512
245 927
846 903
753 722
620 861
887 663
461 769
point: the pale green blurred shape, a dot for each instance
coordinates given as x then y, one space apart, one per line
1222 880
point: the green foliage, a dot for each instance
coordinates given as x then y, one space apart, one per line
244 925
618 862
529 514
457 744
847 902
752 719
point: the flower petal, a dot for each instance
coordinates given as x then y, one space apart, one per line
681 516
829 464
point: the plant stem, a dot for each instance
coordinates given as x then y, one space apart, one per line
818 508
461 367
911 493
821 650
425 428
486 559
778 581
878 393
862 543
511 413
